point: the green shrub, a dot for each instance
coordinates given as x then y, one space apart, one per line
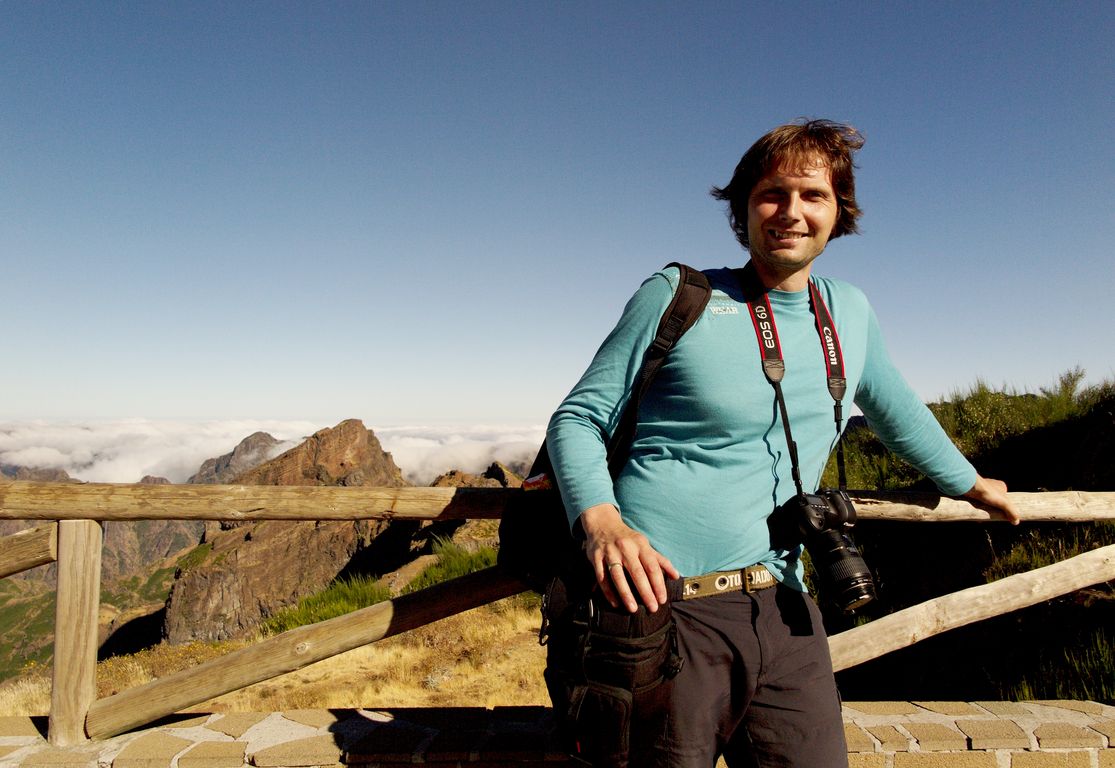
194 557
340 597
453 562
1085 671
983 423
1057 439
1037 546
351 594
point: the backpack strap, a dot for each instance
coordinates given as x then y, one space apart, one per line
684 310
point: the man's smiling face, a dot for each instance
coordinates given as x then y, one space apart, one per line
790 215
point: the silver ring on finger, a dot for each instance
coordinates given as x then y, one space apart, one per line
614 565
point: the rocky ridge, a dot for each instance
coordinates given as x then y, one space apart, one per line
244 572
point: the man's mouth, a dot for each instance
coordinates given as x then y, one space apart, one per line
779 234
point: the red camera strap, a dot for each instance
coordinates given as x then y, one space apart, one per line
774 367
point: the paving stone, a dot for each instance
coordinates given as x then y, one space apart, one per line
1073 734
857 738
994 734
465 718
1075 759
390 742
213 754
18 725
883 707
945 760
955 708
865 760
890 739
1107 728
53 757
1067 736
522 714
316 750
936 737
315 718
1005 708
515 745
154 749
454 746
236 724
1087 707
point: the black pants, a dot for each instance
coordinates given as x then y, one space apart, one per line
757 685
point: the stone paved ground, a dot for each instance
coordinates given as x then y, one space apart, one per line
1041 734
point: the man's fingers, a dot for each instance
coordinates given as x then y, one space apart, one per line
643 587
618 577
656 582
608 590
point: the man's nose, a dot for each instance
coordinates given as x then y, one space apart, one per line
791 208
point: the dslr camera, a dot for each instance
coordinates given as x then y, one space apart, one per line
824 519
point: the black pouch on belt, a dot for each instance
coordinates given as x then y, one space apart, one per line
609 674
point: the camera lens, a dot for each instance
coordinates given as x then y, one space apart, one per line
844 575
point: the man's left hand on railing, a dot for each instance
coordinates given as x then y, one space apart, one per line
993 493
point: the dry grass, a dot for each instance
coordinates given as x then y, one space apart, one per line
486 657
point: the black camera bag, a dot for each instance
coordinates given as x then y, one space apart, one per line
609 673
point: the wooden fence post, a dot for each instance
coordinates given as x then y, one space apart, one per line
75 630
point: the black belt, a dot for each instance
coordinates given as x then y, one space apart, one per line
749 579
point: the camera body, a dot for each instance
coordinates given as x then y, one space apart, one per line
824 520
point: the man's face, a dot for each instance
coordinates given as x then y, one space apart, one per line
790 215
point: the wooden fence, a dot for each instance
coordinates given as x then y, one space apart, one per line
72 536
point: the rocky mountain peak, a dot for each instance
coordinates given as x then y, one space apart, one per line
495 476
347 454
250 452
250 570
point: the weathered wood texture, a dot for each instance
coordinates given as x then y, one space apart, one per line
106 501
941 614
1060 506
293 650
75 630
28 549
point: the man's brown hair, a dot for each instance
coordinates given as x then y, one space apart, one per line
797 145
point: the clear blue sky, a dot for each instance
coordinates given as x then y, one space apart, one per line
428 212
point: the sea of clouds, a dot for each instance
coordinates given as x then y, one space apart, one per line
125 451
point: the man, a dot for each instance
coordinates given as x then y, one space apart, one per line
710 463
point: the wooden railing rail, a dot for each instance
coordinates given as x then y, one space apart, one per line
28 549
23 500
294 649
912 625
75 541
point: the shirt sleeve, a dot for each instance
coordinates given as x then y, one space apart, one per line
904 424
577 435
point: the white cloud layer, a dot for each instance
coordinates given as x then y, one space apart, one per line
125 451
424 452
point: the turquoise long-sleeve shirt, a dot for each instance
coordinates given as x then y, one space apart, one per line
709 462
